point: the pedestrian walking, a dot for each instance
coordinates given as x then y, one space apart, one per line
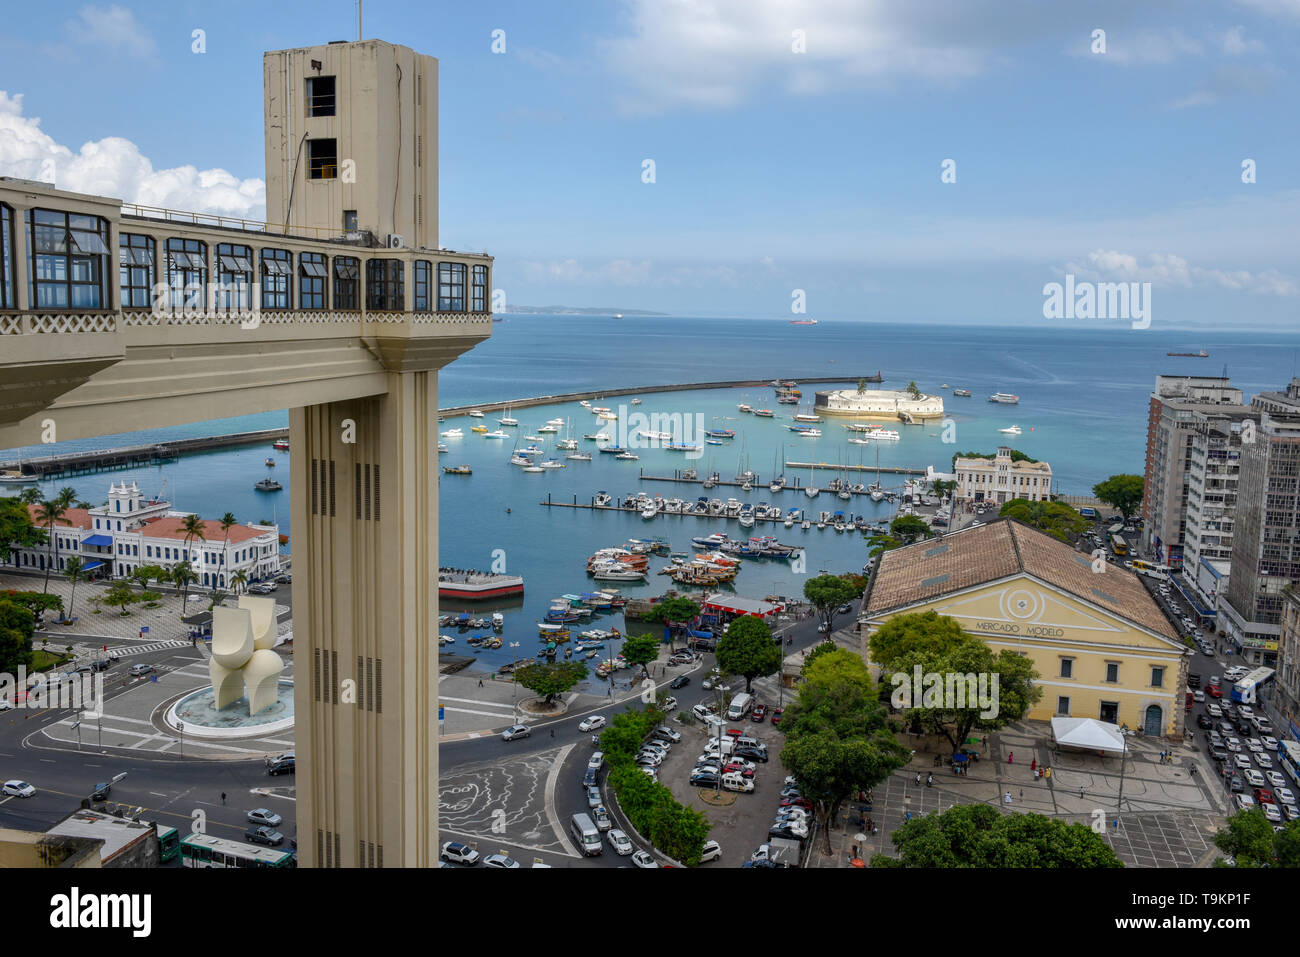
1080 790
918 777
552 732
1007 798
1011 757
480 682
1048 772
1022 794
907 817
223 797
1033 766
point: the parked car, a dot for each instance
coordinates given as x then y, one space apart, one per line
776 715
1213 710
1244 802
601 817
596 760
1241 761
668 704
1253 777
593 797
502 861
753 754
681 658
1193 681
1275 780
701 712
285 764
666 733
264 835
516 731
1285 795
704 779
591 723
712 851
1264 796
713 683
791 831
458 853
758 714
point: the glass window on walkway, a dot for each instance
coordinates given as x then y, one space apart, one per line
347 269
311 280
8 291
187 273
135 257
277 278
234 277
385 288
68 258
451 287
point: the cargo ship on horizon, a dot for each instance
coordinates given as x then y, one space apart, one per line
1190 355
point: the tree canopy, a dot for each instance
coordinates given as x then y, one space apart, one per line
16 527
17 625
748 650
1123 492
550 679
1251 841
829 592
1055 518
640 650
674 609
977 835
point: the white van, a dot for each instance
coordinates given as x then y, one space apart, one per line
735 781
585 834
723 747
740 706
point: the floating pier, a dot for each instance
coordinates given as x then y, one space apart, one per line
100 460
804 515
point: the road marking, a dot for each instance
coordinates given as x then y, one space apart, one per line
48 760
490 714
551 779
485 704
267 792
158 794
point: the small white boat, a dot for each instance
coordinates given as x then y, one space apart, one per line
441 447
475 414
658 436
629 456
549 428
551 464
585 404
498 434
508 421
650 511
608 416
635 402
520 459
532 468
534 438
452 434
812 491
579 456
1011 430
554 421
807 417
567 444
859 441
806 525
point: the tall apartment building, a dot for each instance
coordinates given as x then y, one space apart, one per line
1171 421
1287 699
1266 537
1213 471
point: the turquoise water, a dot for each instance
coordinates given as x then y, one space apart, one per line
1083 409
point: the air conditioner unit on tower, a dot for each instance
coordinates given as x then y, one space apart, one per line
394 241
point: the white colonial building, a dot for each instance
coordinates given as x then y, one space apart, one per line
115 539
999 479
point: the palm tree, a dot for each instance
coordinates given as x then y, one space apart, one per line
194 528
228 521
73 571
238 580
182 575
47 513
29 496
67 495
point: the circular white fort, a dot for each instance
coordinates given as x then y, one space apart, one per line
879 404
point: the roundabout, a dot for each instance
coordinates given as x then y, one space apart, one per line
196 715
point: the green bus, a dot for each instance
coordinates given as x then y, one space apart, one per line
203 850
170 839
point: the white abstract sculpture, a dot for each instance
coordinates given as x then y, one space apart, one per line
242 661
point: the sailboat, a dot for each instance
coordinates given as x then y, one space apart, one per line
506 419
877 493
812 490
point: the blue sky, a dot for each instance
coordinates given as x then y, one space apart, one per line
775 170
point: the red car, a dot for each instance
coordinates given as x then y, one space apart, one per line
739 769
1214 691
758 714
776 715
1264 796
734 732
804 803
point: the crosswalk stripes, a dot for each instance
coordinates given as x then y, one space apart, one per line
130 650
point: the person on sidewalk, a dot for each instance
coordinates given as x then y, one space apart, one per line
1007 798
1011 757
1033 766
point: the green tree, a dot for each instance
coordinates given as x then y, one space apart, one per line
1055 518
675 612
641 650
48 514
919 631
144 574
194 527
977 835
913 391
182 575
1123 492
836 739
943 487
73 570
228 521
239 580
822 648
17 625
16 527
29 496
877 544
826 593
215 597
862 386
748 650
550 679
119 595
1250 840
67 496
908 529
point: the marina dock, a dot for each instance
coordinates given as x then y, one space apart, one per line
99 460
805 515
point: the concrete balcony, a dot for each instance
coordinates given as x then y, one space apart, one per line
45 356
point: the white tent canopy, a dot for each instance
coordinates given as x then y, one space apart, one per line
1087 733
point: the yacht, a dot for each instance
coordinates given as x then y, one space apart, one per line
546 429
498 434
812 491
520 459
585 404
603 498
596 436
962 393
659 436
579 456
552 464
567 444
281 445
452 434
764 413
807 417
747 520
806 525
554 421
859 441
475 414
608 416
507 420
268 485
650 510
635 402
745 408
628 456
1011 430
441 447
884 435
532 468
1005 398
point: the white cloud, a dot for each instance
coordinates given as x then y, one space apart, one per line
1167 269
712 53
1274 8
1234 43
115 167
113 27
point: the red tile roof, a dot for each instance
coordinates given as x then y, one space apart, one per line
174 528
975 556
72 518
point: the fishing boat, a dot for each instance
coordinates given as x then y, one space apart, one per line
612 449
280 445
618 573
270 463
475 414
1202 354
457 470
478 428
961 393
807 417
809 432
720 433
268 485
1011 430
1005 398
713 441
452 434
765 413
498 620
745 408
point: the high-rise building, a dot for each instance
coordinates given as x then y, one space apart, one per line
1266 537
1288 662
1214 467
352 141
1174 404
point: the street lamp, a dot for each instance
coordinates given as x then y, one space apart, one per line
514 691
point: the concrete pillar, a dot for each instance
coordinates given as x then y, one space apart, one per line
365 549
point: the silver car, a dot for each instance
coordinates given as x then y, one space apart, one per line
594 799
262 816
619 842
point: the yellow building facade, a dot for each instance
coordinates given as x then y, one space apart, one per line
1099 642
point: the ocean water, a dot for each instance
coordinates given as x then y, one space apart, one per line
1083 406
